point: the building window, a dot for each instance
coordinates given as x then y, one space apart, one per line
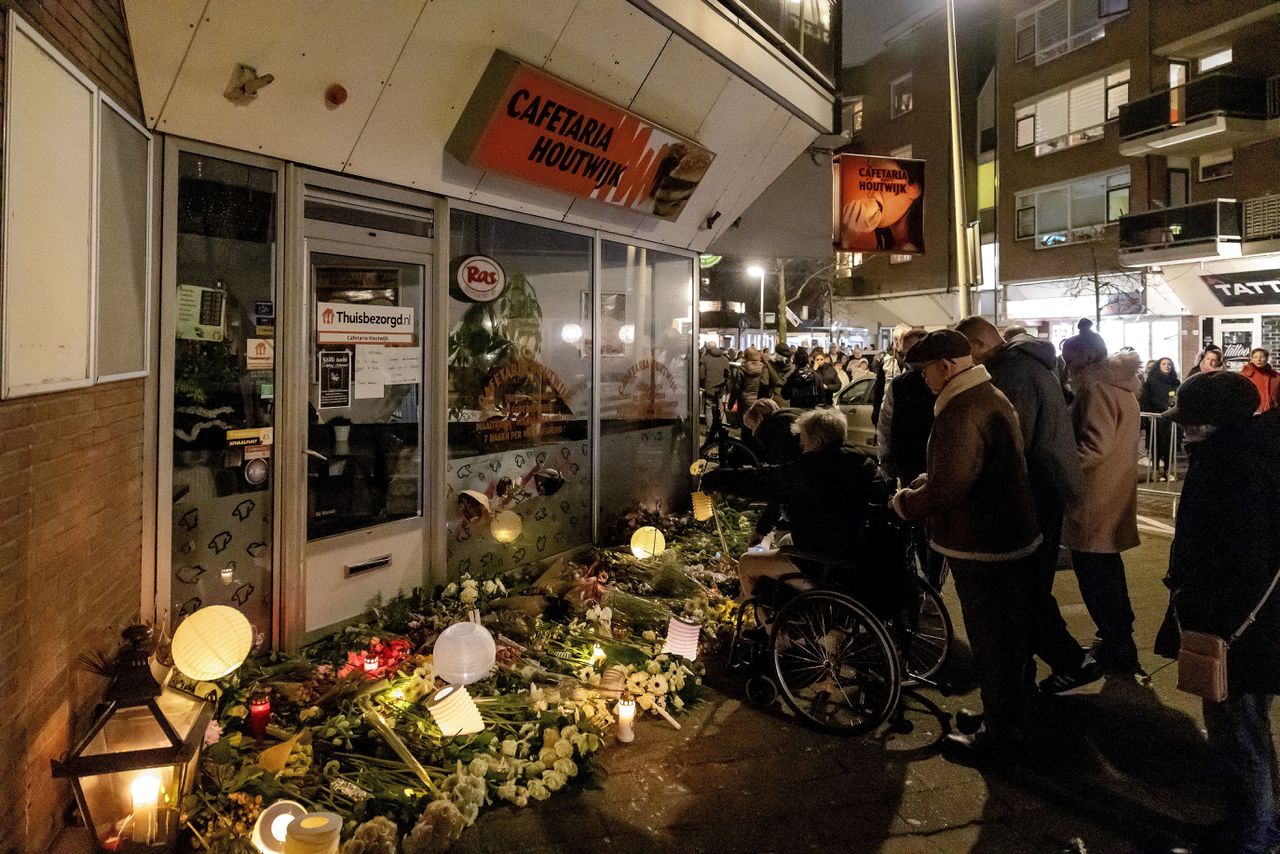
1214 60
1060 26
1075 212
852 117
1216 165
1072 116
900 96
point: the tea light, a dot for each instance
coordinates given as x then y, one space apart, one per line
371 662
455 712
145 791
259 715
272 826
626 716
648 542
682 638
228 573
701 506
313 833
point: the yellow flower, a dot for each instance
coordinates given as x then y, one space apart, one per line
698 467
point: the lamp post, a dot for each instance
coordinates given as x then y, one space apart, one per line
958 220
757 270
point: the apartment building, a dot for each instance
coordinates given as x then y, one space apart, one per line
1208 126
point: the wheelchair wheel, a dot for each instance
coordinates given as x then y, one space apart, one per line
835 664
926 633
729 454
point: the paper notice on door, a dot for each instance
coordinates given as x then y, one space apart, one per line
402 365
335 379
369 361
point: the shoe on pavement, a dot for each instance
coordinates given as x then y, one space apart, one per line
1067 683
976 749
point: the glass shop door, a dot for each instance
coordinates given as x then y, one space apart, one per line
364 440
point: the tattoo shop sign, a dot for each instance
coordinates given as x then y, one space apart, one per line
1257 287
530 125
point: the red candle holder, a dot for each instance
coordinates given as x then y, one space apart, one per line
259 715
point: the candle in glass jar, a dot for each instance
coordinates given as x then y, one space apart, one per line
626 716
145 791
371 661
259 715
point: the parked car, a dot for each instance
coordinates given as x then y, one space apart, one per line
854 400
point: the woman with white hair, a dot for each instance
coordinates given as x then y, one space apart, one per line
825 491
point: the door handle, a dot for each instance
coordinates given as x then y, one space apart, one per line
319 456
372 563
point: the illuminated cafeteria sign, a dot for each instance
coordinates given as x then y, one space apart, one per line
525 123
1257 287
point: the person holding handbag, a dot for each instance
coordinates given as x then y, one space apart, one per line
1222 573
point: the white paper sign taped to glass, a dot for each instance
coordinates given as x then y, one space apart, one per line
335 379
260 354
344 323
201 313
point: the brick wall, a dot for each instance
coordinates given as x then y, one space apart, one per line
70 513
1271 336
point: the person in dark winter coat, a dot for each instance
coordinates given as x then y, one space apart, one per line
803 389
891 363
782 365
825 491
906 417
1203 362
714 365
1159 391
977 498
1220 566
748 383
1024 369
773 433
828 374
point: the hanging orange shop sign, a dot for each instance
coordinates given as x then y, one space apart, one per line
525 123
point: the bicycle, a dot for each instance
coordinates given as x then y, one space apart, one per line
723 449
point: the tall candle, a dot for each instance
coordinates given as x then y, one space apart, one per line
145 791
626 716
259 715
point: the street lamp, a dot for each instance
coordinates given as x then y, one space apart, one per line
757 270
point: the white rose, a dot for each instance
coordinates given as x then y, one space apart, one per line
468 595
563 749
450 589
538 790
490 588
567 767
554 780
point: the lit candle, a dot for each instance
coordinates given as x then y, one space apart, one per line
371 661
145 791
259 715
597 655
228 573
626 716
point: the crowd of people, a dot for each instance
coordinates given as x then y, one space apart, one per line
1005 450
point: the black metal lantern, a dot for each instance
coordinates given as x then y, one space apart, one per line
132 768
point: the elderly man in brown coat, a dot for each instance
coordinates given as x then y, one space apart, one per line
1104 522
977 497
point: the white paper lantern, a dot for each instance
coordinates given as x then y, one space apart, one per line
506 525
701 506
455 712
464 653
648 542
612 681
272 826
313 833
212 642
682 638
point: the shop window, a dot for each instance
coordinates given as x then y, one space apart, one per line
224 387
1219 164
519 392
1214 60
645 346
900 101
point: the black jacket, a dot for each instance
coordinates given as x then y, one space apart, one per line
830 379
1159 391
826 494
1226 548
776 440
909 426
803 389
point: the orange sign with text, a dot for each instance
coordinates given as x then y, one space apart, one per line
525 123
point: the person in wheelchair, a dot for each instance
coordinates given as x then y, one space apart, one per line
825 491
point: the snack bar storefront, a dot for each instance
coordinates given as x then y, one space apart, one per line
432 312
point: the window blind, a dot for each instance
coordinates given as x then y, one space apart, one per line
1051 117
1087 107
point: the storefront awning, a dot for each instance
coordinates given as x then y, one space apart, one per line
1249 285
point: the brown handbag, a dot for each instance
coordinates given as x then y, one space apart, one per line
1202 657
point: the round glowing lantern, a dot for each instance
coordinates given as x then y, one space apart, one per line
701 506
506 525
212 642
464 653
273 824
455 712
648 542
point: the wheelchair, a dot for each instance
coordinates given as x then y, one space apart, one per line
843 641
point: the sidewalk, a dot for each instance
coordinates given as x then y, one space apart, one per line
1126 771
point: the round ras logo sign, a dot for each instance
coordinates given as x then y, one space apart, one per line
481 278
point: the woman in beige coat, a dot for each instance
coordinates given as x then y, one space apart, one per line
1104 522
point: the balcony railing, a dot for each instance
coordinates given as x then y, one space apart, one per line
1215 95
1213 221
806 30
1262 218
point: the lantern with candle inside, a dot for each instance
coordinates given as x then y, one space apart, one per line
626 717
455 712
682 638
272 825
506 526
702 508
464 653
648 542
259 715
130 770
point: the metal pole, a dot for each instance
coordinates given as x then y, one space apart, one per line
958 218
762 308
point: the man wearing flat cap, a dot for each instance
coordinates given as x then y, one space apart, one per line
1225 554
977 498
